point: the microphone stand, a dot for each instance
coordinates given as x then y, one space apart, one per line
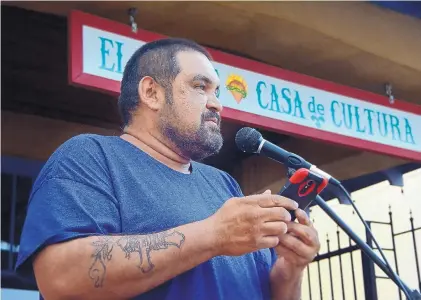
414 294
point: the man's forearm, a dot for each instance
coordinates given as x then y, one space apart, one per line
120 267
286 286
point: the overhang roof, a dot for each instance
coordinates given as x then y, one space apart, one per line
358 44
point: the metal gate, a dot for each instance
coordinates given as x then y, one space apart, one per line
349 274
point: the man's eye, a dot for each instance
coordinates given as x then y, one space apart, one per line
217 91
200 86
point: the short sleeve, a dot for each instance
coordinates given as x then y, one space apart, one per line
71 199
234 184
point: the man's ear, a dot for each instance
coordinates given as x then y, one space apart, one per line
151 94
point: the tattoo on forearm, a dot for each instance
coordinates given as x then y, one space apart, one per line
102 254
139 245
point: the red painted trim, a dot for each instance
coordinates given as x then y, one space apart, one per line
78 19
75 55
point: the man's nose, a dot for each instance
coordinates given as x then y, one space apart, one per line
214 104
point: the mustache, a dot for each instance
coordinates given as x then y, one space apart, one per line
211 115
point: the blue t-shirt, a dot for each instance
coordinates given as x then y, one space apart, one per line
95 185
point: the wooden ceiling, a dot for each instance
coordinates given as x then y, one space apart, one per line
352 43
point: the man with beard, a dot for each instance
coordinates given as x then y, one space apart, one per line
136 216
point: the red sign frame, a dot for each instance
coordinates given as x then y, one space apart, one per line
76 77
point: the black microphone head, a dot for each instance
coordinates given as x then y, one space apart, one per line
248 140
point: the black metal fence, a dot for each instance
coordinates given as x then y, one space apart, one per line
346 273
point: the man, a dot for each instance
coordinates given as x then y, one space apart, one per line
136 217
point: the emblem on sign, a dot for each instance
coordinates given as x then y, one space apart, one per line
237 87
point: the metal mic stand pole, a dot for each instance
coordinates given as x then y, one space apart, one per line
415 295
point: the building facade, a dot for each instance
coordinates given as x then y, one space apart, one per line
337 83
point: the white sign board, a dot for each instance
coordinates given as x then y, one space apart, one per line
290 106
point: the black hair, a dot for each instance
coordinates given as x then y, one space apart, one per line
156 59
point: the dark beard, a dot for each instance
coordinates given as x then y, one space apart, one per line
206 141
198 146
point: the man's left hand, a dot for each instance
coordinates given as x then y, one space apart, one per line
298 247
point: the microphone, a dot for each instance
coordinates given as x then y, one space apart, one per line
249 140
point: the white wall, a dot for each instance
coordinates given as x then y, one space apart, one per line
11 294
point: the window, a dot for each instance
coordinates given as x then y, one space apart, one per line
17 177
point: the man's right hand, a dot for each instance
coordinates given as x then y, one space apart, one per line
243 225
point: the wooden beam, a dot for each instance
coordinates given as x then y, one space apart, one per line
255 174
34 137
349 167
